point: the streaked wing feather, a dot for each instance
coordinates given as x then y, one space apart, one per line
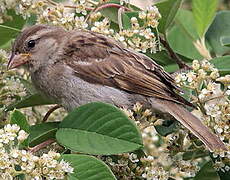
98 59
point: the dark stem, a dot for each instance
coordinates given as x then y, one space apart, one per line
174 56
41 146
50 112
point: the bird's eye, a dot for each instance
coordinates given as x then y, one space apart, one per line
31 44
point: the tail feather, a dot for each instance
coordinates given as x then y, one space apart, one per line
192 123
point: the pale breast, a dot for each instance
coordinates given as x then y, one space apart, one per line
63 86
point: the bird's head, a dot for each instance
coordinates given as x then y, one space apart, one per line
35 46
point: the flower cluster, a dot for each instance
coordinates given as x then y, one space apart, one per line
140 36
59 16
210 92
10 87
102 27
83 15
14 161
23 7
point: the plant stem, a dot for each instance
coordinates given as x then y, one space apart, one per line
50 112
11 28
42 145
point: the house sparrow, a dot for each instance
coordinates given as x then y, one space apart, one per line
77 67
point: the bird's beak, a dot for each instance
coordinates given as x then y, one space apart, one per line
17 60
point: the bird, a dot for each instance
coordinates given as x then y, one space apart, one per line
77 67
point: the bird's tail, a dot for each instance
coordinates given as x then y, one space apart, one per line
192 123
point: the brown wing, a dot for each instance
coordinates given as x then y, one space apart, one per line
99 59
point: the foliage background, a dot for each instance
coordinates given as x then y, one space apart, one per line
186 31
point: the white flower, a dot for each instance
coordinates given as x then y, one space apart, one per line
22 135
66 167
195 65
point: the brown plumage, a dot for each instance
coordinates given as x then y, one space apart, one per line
97 59
77 67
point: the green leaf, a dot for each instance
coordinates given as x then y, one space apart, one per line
171 68
42 132
88 167
190 155
207 172
161 57
126 24
16 117
182 35
29 101
225 41
10 28
165 129
110 13
168 10
185 20
98 128
181 43
219 28
126 19
222 64
204 12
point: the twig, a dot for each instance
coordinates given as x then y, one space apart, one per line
119 16
74 7
103 6
50 111
41 146
111 5
174 56
52 2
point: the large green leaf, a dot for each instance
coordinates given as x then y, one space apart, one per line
185 20
98 128
29 101
207 172
10 28
42 132
219 28
204 12
88 167
168 10
182 44
182 35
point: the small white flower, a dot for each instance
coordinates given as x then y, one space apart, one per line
22 135
66 167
